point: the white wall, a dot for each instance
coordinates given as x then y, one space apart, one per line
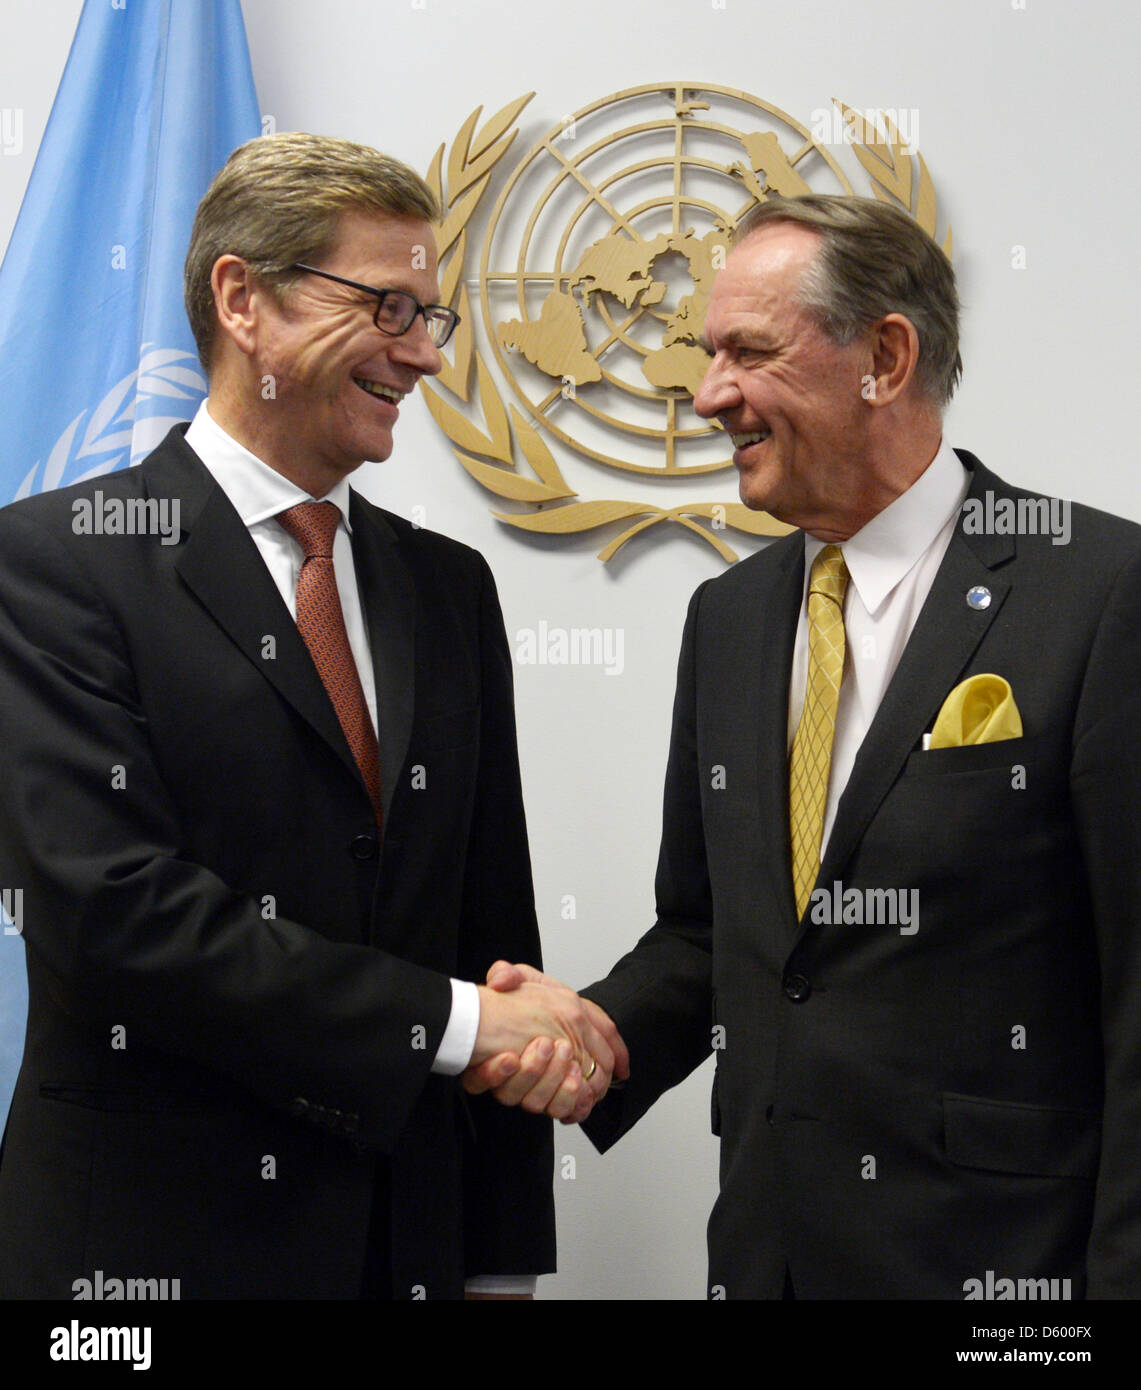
1025 125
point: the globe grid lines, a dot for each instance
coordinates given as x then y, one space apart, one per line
617 325
890 164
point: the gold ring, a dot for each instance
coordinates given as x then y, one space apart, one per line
593 1068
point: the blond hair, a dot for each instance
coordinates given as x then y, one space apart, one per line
279 200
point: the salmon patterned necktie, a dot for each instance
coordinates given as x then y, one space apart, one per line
321 622
811 757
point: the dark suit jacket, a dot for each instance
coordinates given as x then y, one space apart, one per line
201 871
884 1134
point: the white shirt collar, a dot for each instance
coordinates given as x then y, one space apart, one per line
882 552
257 491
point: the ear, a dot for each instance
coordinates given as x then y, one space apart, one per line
895 356
235 301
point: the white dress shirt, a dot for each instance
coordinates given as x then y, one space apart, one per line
258 494
892 561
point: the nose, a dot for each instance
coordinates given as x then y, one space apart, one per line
718 390
416 349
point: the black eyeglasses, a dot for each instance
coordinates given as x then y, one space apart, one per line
396 311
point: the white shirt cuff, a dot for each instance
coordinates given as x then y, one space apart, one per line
458 1042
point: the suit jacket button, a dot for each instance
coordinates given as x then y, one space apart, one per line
363 847
796 988
299 1107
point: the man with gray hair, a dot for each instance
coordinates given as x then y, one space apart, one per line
262 797
909 700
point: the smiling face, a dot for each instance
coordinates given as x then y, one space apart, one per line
337 379
789 396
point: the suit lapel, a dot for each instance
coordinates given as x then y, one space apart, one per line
768 634
943 641
222 567
389 601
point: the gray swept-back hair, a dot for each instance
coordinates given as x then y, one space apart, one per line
873 260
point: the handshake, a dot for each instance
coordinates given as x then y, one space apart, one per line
542 1047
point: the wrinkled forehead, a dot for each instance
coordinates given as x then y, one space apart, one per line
773 257
760 280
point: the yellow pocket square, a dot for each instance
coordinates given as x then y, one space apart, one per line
979 710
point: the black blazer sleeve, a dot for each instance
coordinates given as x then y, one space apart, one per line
660 995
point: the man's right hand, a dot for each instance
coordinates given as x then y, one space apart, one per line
535 1037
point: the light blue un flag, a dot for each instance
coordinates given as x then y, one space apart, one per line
96 356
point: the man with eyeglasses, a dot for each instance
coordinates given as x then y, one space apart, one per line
263 799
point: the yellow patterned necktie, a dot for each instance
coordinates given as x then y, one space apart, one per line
812 747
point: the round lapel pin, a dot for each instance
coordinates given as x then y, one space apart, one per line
979 597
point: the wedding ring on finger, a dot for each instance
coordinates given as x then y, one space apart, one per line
586 1075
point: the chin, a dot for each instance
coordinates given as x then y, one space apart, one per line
372 451
755 497
767 489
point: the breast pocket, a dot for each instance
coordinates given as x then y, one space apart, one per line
953 811
1006 755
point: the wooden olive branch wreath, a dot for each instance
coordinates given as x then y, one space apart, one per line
491 454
